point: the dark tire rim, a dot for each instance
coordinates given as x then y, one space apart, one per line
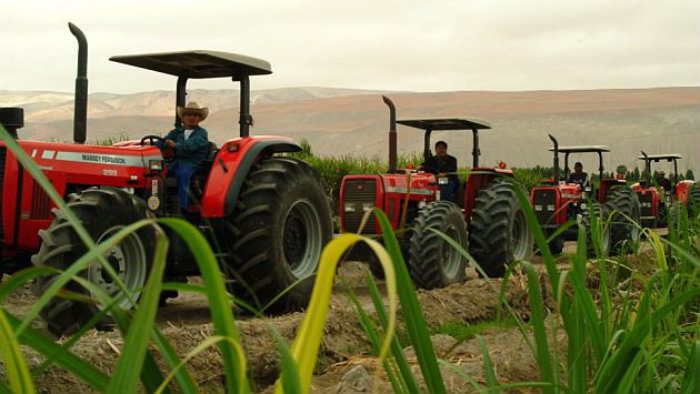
129 261
302 238
520 237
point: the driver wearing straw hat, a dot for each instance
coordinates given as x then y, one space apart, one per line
189 143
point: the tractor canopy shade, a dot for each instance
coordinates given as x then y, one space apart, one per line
198 64
446 124
662 156
582 149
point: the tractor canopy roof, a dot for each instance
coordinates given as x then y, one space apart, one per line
198 64
446 124
582 149
662 156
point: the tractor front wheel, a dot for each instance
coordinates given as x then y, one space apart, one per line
102 212
280 225
499 234
433 262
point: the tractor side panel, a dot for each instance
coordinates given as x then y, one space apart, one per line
27 207
231 166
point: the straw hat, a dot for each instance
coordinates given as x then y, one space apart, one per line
193 107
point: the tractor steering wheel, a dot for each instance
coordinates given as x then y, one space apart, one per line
151 139
168 153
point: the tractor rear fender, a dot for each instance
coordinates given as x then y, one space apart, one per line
231 166
479 178
605 186
683 189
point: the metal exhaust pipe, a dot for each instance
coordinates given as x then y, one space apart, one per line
81 87
392 134
556 158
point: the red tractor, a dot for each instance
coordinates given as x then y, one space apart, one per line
487 219
557 201
266 215
657 197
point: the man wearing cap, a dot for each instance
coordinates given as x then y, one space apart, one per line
189 144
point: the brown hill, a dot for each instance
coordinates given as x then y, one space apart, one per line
342 121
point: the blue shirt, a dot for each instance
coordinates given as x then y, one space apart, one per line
191 150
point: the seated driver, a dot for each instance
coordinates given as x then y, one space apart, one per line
444 165
578 176
190 143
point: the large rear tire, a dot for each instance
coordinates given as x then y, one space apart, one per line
280 225
434 263
693 202
499 233
102 212
624 206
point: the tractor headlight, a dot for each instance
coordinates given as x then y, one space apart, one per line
550 208
155 165
349 207
538 208
367 206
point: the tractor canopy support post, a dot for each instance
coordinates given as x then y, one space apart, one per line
476 152
392 134
81 88
555 176
566 165
600 166
426 144
180 96
246 120
675 171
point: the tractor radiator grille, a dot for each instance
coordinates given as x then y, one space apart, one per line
543 204
645 204
40 203
359 193
3 156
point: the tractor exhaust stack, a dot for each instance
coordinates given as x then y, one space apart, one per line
81 87
647 167
392 134
556 158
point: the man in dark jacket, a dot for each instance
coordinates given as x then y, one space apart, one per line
189 144
443 165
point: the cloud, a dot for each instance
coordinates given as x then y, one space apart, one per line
396 45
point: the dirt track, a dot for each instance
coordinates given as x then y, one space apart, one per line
344 350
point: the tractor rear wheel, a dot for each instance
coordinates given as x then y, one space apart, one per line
102 212
280 225
434 263
693 202
624 227
499 234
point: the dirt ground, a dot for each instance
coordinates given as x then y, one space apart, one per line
345 362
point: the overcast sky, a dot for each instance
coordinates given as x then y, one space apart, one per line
391 45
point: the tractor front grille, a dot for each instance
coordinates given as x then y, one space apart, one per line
543 203
40 203
359 196
3 156
645 204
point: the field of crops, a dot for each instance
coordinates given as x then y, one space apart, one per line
554 324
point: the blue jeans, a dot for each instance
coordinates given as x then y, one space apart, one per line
183 173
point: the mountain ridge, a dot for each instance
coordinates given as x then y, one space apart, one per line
340 121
